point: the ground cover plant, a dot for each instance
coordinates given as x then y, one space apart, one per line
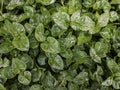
59 44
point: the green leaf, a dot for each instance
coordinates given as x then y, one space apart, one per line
70 40
72 86
113 66
74 5
4 63
108 82
113 16
29 10
97 74
36 74
94 55
49 81
88 3
57 31
20 40
62 19
56 62
100 50
106 33
6 47
51 45
68 54
27 60
18 29
45 17
36 87
24 78
41 59
102 4
103 19
81 78
115 2
63 9
75 18
21 43
8 72
116 84
2 87
83 23
18 65
39 33
14 3
86 23
79 56
33 42
83 38
46 2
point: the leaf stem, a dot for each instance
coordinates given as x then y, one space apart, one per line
62 2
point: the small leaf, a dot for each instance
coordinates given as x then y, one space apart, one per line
74 5
29 10
113 66
113 16
56 62
6 47
27 60
39 33
94 55
103 19
21 43
24 78
36 74
83 38
81 78
116 84
57 31
18 65
108 81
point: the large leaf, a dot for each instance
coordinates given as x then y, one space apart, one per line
62 19
84 23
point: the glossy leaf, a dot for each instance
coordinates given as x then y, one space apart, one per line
83 23
103 19
51 45
27 60
21 43
62 19
39 33
56 62
57 31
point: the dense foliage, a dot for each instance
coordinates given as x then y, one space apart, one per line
59 44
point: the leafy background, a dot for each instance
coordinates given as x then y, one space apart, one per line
59 44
